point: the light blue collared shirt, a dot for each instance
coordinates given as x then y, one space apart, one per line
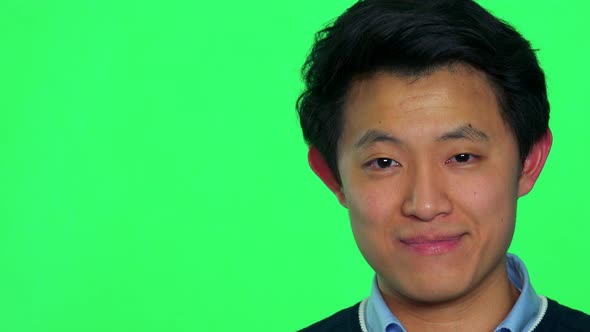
523 315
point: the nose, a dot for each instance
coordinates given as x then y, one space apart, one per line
427 195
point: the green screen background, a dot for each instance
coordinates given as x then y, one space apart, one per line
153 176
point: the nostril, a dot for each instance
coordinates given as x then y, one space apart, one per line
426 208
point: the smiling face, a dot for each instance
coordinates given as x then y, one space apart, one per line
430 174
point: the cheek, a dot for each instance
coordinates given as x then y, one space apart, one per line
372 217
372 222
491 203
370 206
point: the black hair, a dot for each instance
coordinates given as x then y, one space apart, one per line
413 37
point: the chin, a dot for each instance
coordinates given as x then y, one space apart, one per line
436 294
433 290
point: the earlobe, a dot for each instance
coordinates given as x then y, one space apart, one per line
320 167
534 163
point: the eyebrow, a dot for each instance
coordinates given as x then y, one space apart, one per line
373 136
467 132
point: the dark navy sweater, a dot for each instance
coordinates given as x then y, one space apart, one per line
558 318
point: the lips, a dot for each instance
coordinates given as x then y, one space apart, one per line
433 244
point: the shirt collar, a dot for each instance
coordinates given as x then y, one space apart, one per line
528 304
380 319
378 316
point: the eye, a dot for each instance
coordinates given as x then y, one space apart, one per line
462 158
382 163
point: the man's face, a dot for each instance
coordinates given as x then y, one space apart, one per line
430 176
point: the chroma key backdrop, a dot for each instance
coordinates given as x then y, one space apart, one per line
153 176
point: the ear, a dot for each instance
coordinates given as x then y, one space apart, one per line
320 167
534 163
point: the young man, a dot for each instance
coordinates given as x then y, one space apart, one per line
428 120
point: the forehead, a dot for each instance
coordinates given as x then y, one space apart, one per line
418 106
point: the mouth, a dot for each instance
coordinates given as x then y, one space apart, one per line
433 245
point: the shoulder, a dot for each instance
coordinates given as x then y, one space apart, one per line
345 320
563 318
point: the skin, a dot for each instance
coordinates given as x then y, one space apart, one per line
431 174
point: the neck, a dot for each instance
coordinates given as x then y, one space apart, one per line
480 309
